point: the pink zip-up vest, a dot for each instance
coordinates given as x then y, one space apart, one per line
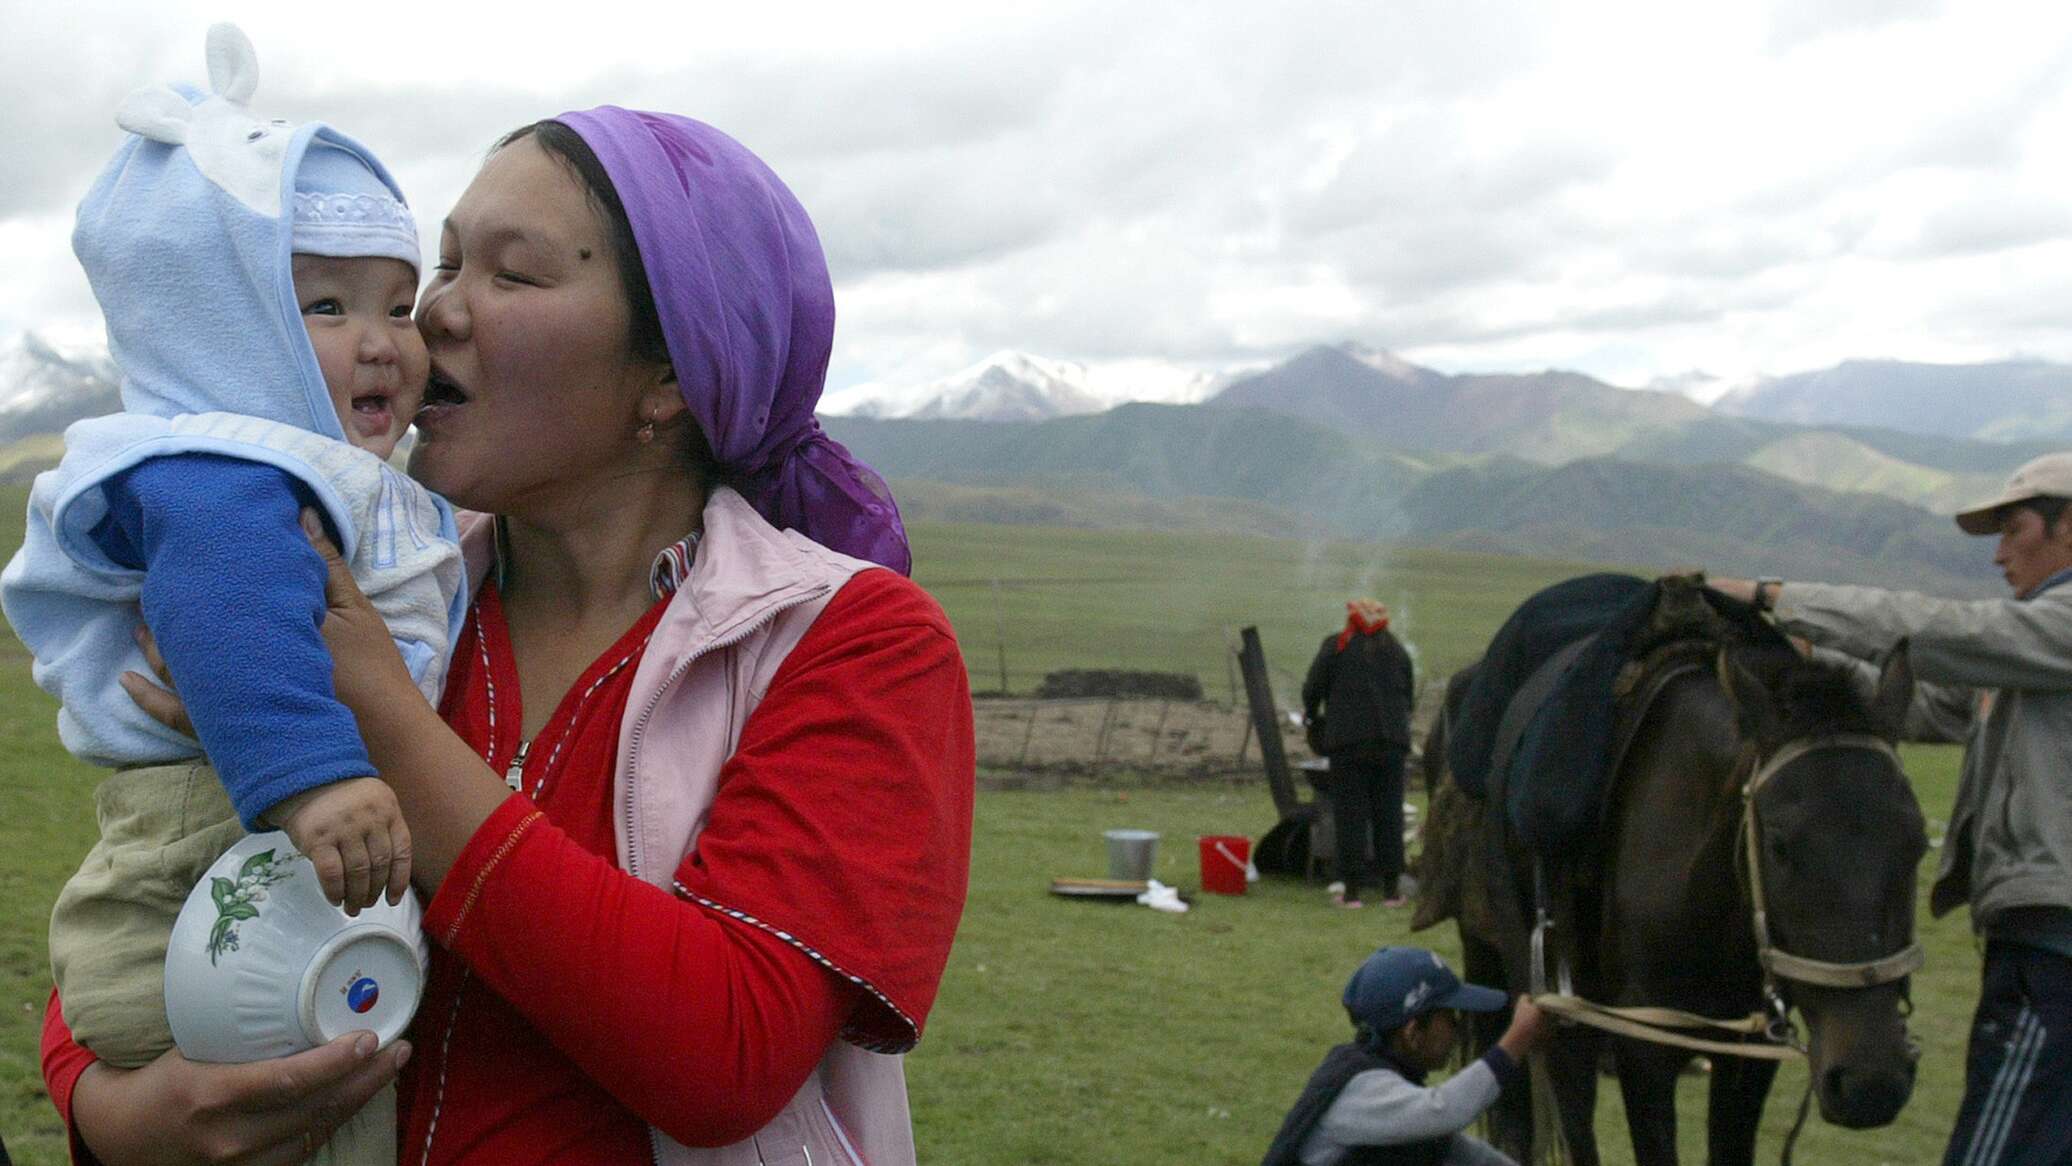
753 593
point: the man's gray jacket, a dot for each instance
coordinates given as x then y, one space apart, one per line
1996 674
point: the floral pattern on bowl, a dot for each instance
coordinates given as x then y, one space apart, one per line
239 900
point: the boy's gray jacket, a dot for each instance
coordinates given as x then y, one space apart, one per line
1997 674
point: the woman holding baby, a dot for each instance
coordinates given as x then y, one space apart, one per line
692 820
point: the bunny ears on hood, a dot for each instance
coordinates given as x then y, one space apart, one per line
344 204
232 148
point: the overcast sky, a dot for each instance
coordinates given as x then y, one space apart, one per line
1633 190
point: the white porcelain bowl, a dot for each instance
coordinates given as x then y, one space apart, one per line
262 965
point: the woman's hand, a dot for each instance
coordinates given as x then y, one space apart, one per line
366 667
162 704
177 1111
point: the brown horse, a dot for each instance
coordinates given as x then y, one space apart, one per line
1663 910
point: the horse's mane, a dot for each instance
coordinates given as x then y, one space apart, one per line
1811 697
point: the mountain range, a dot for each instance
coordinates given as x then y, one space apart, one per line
1346 441
1351 442
1260 471
2012 400
2005 401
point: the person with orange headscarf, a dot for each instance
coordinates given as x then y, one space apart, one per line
1356 701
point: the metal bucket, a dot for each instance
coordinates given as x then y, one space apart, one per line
1131 853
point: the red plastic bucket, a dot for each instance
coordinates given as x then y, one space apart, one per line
1224 860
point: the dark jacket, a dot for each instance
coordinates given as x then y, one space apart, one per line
1365 692
1340 1066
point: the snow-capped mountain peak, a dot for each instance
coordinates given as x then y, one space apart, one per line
46 386
1383 361
1011 386
35 371
1020 386
1700 386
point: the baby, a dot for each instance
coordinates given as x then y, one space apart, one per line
257 279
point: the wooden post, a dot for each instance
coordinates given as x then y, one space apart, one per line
1028 734
1266 721
1158 732
1000 635
1101 741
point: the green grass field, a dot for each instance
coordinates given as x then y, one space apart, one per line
1083 1032
1074 1031
1129 599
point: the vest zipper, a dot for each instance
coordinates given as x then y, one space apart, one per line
675 674
514 775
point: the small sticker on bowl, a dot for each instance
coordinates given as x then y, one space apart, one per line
361 994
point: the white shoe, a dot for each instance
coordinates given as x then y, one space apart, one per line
1337 888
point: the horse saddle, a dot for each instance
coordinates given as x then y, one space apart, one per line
1562 731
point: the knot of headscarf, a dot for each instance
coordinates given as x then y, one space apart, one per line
749 315
1363 617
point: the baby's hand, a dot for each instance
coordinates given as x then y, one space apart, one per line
353 832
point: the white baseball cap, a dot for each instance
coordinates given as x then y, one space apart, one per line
2049 476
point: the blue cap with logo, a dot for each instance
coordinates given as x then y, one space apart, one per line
1399 984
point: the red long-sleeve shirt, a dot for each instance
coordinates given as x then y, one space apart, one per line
586 1004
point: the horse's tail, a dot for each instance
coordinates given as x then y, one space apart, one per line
1446 839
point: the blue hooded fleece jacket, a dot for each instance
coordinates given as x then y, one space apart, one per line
182 510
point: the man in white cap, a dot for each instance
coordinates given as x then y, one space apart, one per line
1997 674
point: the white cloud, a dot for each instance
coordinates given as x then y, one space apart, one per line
1628 187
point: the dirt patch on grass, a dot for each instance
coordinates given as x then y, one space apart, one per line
1027 743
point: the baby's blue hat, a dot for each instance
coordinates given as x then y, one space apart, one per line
344 210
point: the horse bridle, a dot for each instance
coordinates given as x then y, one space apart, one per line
1665 1025
1776 962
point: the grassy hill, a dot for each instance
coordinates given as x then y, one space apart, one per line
1086 504
1174 468
1173 602
1731 519
1343 482
1823 458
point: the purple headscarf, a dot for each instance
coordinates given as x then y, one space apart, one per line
749 314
